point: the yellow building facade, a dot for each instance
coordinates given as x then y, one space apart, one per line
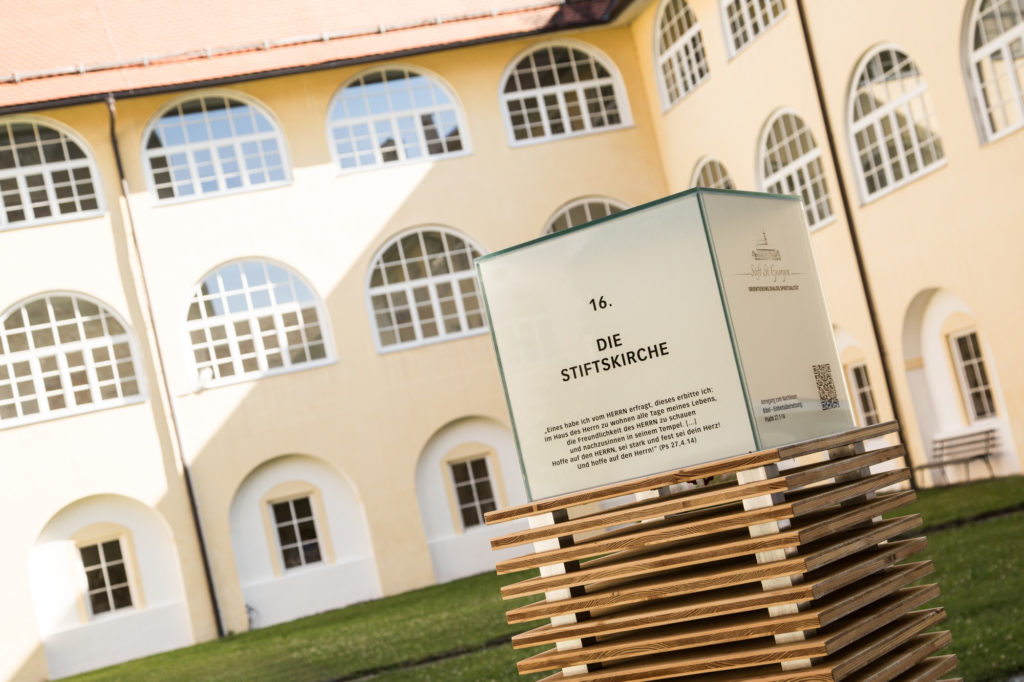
245 373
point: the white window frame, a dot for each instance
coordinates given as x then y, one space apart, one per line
859 390
978 362
210 145
47 169
722 179
108 587
392 116
204 377
611 206
997 48
479 504
294 522
59 381
755 23
614 80
905 103
407 286
788 173
686 57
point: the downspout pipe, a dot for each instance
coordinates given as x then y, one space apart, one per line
858 255
133 244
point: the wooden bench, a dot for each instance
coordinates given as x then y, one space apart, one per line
962 449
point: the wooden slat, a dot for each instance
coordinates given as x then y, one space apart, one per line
931 670
720 574
617 566
649 564
636 485
816 585
836 547
641 512
886 640
842 604
879 614
809 499
816 526
840 574
820 471
726 573
878 644
740 626
726 629
757 652
642 536
907 658
837 440
681 609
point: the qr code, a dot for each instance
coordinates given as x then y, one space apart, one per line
826 386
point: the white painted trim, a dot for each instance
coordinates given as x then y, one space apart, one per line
659 58
245 98
621 93
435 79
442 336
873 119
89 160
196 384
593 198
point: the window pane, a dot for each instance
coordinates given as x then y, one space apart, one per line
680 51
63 328
242 300
208 136
472 488
282 512
582 211
33 157
791 165
397 322
892 105
565 75
389 116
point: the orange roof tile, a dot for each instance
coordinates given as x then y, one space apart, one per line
78 50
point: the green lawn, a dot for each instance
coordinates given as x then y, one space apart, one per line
460 616
939 506
452 632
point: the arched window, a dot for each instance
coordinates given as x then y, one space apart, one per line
791 164
997 64
892 122
212 145
712 174
393 115
680 49
45 175
560 91
253 318
63 354
422 289
747 19
582 211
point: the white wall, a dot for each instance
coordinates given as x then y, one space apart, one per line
158 620
274 597
455 552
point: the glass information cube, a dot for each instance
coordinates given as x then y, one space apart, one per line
675 333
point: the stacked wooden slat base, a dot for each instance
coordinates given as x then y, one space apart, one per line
781 568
